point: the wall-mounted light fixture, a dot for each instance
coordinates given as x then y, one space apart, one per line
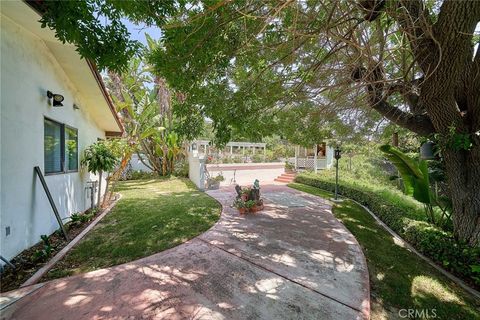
57 98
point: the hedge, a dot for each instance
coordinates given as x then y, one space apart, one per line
433 242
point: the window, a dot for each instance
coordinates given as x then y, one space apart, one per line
60 147
52 146
71 149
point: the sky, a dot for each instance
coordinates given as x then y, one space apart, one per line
137 32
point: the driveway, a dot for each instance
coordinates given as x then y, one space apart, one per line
293 260
246 173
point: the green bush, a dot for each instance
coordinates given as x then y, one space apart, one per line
257 158
238 159
227 159
438 245
137 175
181 169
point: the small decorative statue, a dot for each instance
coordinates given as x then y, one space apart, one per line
256 190
238 189
248 198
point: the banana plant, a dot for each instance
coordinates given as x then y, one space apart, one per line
415 179
144 100
174 149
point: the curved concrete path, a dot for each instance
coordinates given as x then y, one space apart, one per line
293 260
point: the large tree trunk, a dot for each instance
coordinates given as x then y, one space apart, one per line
446 99
463 171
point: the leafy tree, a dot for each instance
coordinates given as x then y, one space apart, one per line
96 28
409 61
98 158
412 62
121 148
145 103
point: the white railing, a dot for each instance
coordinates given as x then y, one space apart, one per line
322 163
309 162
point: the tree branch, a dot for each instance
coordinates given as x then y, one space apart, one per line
420 124
409 91
143 161
415 23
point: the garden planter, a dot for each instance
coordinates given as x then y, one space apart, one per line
214 185
248 199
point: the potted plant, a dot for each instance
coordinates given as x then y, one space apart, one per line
240 205
251 206
289 168
246 193
214 183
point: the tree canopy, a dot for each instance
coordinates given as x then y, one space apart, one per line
97 29
255 65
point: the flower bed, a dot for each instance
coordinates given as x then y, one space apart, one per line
29 261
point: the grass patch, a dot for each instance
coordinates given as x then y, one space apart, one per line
399 279
153 215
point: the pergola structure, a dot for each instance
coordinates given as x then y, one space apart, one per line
201 148
319 156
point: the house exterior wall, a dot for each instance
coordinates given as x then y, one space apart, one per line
28 70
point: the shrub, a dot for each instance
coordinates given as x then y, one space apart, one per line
181 169
75 218
438 245
137 175
219 178
257 158
289 166
46 252
238 160
227 159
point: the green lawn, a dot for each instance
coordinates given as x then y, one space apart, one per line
153 215
398 278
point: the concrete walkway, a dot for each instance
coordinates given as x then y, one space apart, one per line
293 260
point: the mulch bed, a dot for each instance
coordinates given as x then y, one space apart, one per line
28 261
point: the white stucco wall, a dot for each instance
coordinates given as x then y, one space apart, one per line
137 165
196 170
329 155
28 70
